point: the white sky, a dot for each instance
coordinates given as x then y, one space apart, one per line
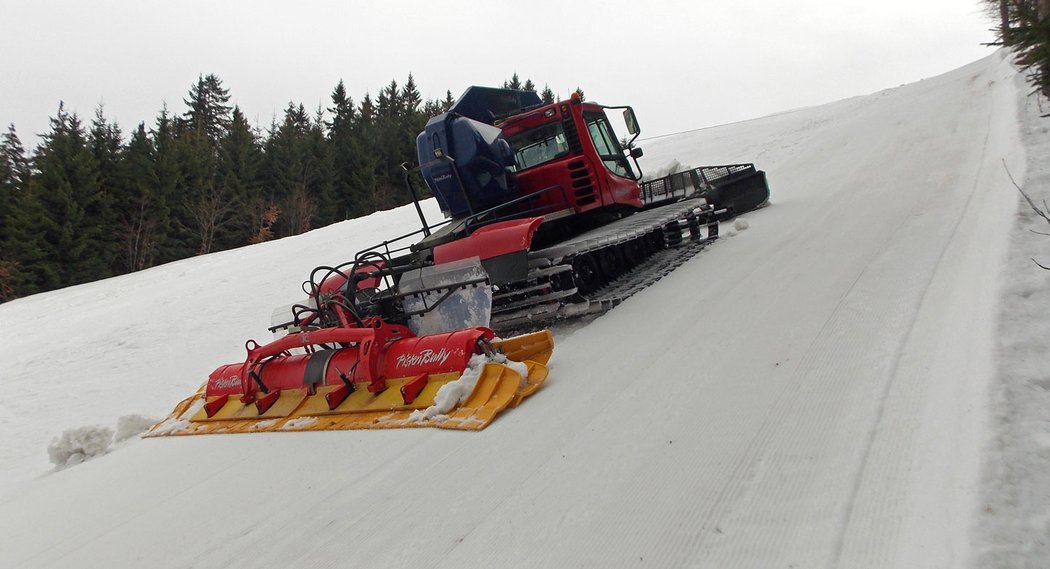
682 64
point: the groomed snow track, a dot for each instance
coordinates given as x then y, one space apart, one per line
808 393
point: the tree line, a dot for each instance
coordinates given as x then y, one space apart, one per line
1024 27
90 202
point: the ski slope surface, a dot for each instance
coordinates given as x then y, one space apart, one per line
812 391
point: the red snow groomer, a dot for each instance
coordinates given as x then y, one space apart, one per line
546 219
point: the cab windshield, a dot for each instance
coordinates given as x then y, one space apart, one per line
539 145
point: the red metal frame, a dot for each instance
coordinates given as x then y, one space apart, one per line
367 355
490 241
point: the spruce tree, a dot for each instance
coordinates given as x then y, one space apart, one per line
29 267
319 174
514 83
342 111
142 214
286 165
206 206
367 110
168 171
365 178
107 147
208 116
340 140
240 158
389 102
1024 26
198 206
433 107
388 129
14 176
410 97
547 95
68 191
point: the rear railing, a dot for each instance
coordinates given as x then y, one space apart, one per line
693 181
510 210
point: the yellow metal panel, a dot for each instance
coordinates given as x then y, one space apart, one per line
287 401
537 375
389 400
537 346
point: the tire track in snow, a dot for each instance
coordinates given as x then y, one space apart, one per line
864 467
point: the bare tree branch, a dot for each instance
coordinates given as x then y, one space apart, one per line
1042 212
1035 208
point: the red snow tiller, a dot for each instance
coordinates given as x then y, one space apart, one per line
338 368
547 220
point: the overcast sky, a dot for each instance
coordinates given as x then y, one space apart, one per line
682 64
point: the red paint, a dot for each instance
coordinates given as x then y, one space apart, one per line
587 183
490 241
411 389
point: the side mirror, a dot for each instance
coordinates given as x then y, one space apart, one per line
636 153
632 122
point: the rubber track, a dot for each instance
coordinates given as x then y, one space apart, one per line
641 276
648 272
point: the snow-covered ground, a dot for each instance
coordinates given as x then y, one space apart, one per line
1014 518
833 387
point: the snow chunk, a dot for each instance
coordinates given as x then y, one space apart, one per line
667 169
132 425
456 392
174 424
77 445
740 224
265 424
300 423
520 367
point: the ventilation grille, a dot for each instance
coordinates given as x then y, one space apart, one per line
582 182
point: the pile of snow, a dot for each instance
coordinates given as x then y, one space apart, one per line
82 443
132 425
739 224
455 393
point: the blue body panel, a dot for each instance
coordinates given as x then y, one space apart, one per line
481 155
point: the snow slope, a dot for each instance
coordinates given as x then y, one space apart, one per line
811 392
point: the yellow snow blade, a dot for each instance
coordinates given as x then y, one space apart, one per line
498 387
537 347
